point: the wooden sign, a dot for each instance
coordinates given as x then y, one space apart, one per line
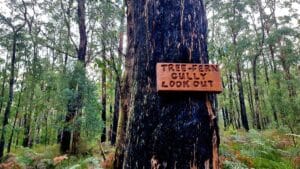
188 77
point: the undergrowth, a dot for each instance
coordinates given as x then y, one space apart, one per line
268 149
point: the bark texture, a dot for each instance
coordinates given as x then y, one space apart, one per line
168 130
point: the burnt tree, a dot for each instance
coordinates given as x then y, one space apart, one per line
177 129
16 30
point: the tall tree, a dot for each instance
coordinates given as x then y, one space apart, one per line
75 104
15 33
237 23
103 96
174 130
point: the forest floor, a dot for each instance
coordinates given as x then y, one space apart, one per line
272 149
269 149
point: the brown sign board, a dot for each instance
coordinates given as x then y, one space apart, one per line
188 77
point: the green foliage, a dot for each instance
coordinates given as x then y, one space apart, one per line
255 150
90 116
233 165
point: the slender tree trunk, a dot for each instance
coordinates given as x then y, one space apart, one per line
171 130
68 12
250 98
18 132
125 89
240 84
75 105
3 88
231 97
27 121
116 112
15 120
241 98
266 72
256 95
225 110
274 68
10 95
103 97
118 88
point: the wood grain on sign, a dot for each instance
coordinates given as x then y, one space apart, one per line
188 77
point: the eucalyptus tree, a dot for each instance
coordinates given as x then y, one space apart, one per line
283 37
15 24
235 25
75 104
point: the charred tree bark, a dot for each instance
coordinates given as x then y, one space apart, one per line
81 54
168 130
11 88
241 97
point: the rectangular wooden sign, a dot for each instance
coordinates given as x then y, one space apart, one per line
188 77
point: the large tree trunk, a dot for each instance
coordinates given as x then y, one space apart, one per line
168 130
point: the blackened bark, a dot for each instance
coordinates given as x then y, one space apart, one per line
243 113
171 130
82 31
241 97
10 94
225 117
